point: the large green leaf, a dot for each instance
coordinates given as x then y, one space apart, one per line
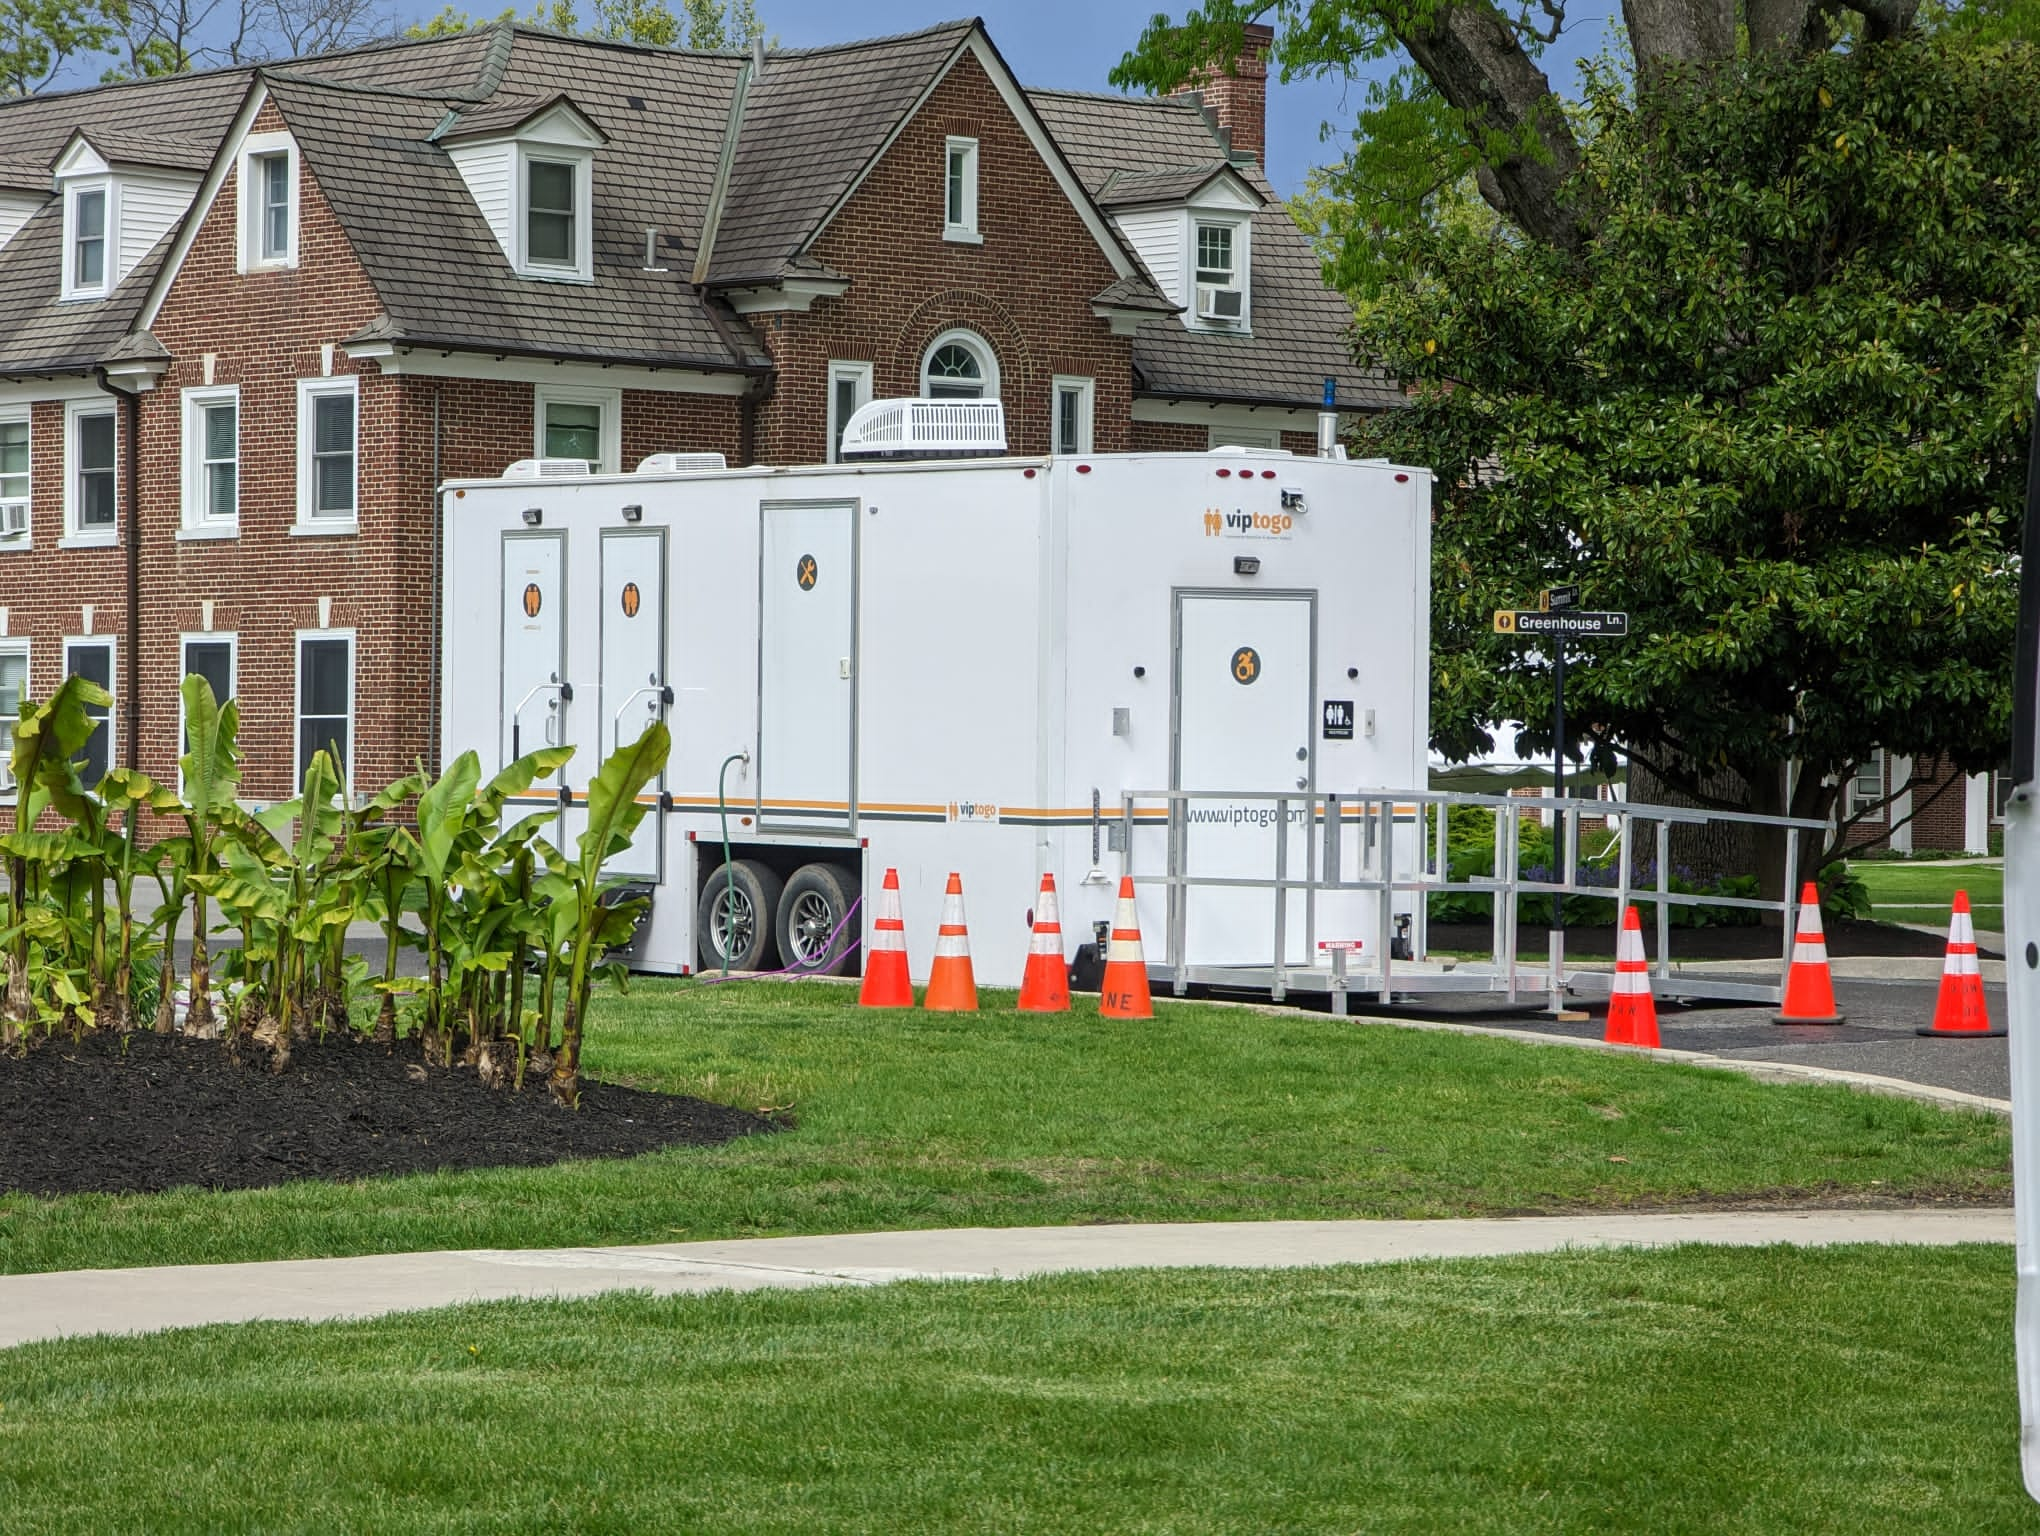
211 766
613 809
521 775
443 811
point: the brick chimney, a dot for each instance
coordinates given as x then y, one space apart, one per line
1238 96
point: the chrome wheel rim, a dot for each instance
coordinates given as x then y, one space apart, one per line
736 920
814 919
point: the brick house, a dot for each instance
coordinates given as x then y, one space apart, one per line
1915 805
249 319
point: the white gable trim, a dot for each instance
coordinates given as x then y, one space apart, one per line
1227 190
224 160
79 158
979 46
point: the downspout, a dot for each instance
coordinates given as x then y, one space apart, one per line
131 668
438 541
756 392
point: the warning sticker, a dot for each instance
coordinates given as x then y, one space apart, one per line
1246 664
806 573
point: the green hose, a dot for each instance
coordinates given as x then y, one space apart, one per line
722 807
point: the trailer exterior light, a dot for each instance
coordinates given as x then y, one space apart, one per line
1292 498
1246 565
533 516
634 513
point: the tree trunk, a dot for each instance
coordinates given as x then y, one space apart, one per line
1478 65
1679 32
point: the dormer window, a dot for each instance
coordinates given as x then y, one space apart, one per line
529 164
88 223
549 213
1219 294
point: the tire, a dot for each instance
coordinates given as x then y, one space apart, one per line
812 907
754 891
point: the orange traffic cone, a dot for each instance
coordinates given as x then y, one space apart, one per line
885 962
951 986
1632 1016
1809 986
1125 991
1045 985
1960 1008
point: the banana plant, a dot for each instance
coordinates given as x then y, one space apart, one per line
129 792
211 769
614 812
381 873
46 735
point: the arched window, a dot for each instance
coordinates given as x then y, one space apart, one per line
960 365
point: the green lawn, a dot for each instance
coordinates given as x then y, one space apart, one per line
1693 1390
1909 893
1205 1113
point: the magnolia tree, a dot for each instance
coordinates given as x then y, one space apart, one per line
1775 407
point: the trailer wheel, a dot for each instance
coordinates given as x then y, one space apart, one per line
813 907
736 916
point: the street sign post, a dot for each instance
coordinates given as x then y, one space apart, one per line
1558 620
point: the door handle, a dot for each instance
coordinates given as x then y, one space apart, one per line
843 667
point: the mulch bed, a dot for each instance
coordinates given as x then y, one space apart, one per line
1846 937
164 1112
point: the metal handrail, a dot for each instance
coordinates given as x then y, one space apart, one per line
1380 809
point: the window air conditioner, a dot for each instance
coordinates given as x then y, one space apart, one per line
13 519
1214 303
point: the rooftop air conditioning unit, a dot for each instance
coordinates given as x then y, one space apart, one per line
1214 303
13 519
548 469
681 463
926 429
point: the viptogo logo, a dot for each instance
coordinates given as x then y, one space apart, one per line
1242 524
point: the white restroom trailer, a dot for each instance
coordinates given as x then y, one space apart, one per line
952 664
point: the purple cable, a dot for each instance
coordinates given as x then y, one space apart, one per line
829 945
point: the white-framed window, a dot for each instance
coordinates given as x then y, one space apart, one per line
960 190
2001 787
325 698
13 689
574 423
215 658
1218 258
555 189
212 459
15 464
91 472
1866 784
1070 415
328 435
849 388
960 365
90 254
92 658
269 202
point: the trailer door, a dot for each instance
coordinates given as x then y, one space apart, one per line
1245 679
633 691
534 642
807 675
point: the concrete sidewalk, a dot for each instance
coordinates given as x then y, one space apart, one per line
48 1306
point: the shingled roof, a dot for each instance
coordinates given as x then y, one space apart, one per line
811 123
1125 147
432 258
39 334
808 126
